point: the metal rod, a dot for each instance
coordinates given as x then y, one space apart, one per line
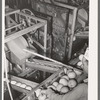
72 32
29 51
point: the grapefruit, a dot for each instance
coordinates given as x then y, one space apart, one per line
64 89
59 86
71 74
72 83
79 63
63 81
81 57
55 84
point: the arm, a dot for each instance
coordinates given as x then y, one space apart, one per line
78 93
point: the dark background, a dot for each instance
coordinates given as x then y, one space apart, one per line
0 49
98 49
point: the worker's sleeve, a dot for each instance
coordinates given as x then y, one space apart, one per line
82 77
78 93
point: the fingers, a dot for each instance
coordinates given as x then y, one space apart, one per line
43 91
46 91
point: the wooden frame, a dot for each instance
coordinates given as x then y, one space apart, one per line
45 66
49 79
45 17
48 18
74 10
34 85
11 11
13 24
14 35
84 34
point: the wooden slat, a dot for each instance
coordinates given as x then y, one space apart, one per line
11 11
49 48
25 72
74 61
45 38
60 4
15 26
36 54
74 9
84 34
47 63
43 83
72 33
42 67
19 89
24 81
22 32
33 17
38 44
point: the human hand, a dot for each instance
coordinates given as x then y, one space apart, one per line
85 65
46 91
42 95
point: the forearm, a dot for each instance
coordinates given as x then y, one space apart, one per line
76 94
55 96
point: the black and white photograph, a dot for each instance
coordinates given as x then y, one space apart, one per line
46 49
